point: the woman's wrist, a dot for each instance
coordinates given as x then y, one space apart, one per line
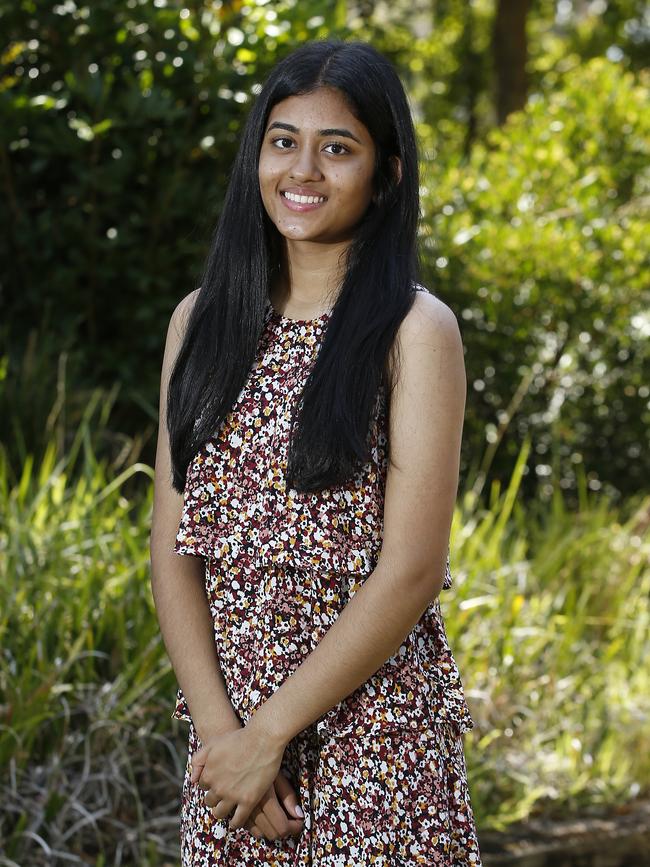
212 725
264 723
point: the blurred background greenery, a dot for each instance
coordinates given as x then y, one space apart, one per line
118 126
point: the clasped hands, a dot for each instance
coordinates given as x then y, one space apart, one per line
239 769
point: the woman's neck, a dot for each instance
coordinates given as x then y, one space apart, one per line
308 281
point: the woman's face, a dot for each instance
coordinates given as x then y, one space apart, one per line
314 146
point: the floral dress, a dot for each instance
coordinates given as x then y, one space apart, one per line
381 776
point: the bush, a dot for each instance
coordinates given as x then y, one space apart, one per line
539 243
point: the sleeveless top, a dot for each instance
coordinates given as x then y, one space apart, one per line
240 515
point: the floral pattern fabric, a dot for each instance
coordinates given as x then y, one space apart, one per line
381 776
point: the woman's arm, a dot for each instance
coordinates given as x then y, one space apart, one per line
178 581
426 421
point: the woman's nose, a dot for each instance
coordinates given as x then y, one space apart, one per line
305 165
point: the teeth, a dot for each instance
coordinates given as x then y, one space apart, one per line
304 200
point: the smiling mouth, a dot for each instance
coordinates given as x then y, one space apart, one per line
304 200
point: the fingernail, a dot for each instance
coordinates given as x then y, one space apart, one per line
299 812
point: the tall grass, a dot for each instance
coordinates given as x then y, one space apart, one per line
88 761
548 620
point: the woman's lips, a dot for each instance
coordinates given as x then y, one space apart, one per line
299 206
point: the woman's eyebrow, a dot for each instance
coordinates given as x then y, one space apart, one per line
344 133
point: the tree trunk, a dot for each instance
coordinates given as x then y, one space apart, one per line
510 52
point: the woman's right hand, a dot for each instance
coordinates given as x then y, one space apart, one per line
275 816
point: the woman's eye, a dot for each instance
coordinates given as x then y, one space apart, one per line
276 140
337 144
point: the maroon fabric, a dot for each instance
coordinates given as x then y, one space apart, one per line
381 777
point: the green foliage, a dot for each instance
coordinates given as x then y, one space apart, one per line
548 620
76 602
120 123
539 242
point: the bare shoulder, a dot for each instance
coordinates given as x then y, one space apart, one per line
176 332
430 349
428 334
430 320
182 311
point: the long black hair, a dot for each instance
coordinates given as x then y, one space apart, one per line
329 438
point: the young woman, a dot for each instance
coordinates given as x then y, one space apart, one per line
311 407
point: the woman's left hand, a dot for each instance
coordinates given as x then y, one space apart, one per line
235 769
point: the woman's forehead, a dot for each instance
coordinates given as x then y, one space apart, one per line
323 99
321 109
